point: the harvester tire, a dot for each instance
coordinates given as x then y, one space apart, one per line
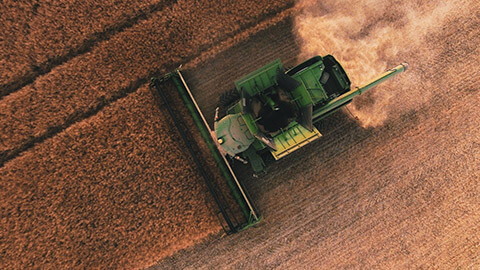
228 98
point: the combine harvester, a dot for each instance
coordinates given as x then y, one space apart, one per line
270 113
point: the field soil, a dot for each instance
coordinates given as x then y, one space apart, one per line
93 173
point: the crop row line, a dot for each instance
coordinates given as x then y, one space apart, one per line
77 117
85 47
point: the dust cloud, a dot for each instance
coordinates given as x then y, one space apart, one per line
371 36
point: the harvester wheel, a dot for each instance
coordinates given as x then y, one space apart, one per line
228 98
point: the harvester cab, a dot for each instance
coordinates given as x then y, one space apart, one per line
271 111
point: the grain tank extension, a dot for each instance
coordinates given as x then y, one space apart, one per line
272 111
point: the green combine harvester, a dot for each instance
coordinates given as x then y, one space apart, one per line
270 113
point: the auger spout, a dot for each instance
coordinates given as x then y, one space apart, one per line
348 96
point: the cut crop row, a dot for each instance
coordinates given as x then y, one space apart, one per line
45 34
115 190
83 85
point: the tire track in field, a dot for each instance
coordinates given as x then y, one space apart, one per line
111 96
86 46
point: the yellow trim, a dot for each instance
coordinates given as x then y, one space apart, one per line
292 139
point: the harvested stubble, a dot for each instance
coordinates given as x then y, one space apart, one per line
83 85
38 36
113 191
